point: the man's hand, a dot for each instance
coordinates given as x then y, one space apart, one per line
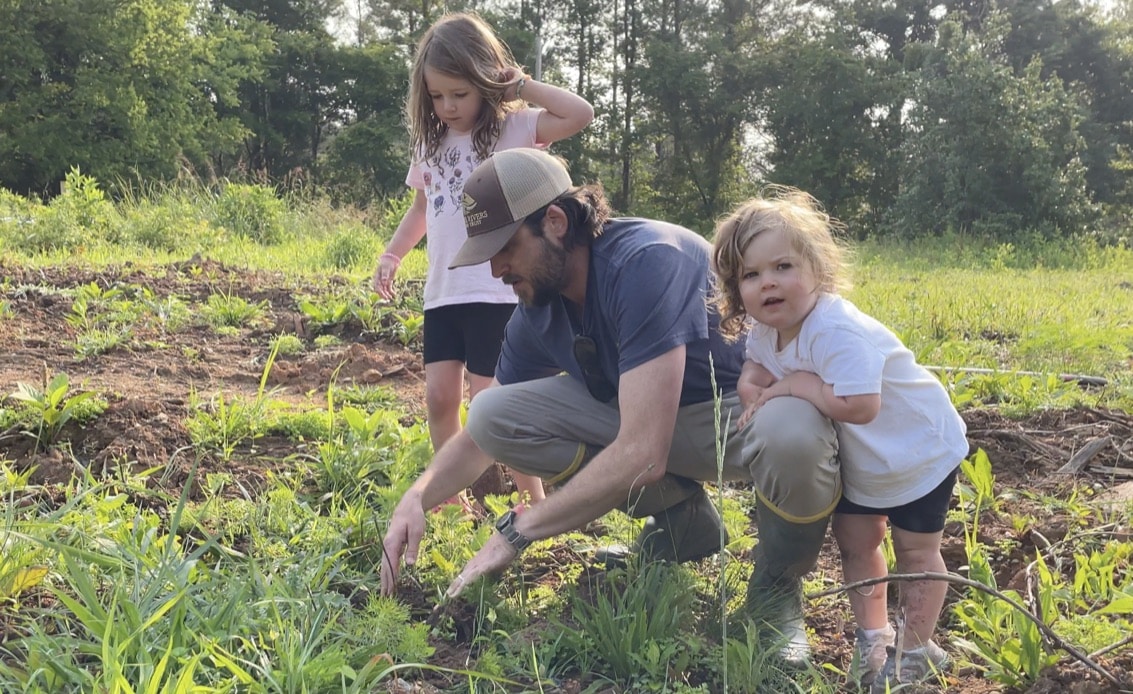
492 558
406 528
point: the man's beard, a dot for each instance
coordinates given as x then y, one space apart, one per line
549 278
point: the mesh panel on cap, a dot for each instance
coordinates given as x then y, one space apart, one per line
530 180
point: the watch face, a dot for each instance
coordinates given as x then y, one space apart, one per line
505 521
506 527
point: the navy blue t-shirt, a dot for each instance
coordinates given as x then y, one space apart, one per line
646 293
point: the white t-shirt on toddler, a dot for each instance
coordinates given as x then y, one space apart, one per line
917 438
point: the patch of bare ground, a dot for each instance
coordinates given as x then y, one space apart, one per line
148 387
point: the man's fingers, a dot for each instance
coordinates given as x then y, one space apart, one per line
390 560
456 587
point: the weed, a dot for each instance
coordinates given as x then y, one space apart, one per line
1010 645
170 313
253 212
750 665
303 426
327 312
287 345
368 398
223 425
388 626
46 411
977 493
229 310
637 622
95 341
349 247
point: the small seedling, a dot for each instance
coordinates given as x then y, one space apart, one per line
50 409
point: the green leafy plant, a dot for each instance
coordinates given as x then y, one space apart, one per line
251 211
326 312
229 310
409 327
97 341
977 491
287 345
749 665
348 248
49 409
224 424
1007 644
79 215
365 397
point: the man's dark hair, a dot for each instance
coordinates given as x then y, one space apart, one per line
586 210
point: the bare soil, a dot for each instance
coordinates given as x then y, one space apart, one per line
148 390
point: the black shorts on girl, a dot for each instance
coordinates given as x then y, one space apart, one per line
925 515
469 333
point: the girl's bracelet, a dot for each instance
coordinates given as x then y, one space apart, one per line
392 256
519 87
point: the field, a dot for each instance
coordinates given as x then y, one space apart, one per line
196 506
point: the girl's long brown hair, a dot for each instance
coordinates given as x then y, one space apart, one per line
460 45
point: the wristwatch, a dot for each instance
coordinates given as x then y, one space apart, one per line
506 526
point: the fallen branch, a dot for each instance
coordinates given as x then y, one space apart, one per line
956 578
1112 647
1084 456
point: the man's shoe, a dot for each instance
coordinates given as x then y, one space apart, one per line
687 531
786 551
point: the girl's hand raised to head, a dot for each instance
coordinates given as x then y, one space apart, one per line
511 77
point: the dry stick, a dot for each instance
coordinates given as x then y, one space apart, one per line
1084 455
955 578
1113 647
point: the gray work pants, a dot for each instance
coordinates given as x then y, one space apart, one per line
551 427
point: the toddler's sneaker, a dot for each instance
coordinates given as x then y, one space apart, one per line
870 654
918 665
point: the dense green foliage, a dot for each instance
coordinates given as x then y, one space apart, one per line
1006 119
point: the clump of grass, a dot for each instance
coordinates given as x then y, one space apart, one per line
225 309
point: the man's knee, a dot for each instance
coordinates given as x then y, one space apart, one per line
793 432
793 460
488 422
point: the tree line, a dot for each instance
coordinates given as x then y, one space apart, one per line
1005 119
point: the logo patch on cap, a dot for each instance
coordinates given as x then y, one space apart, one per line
472 218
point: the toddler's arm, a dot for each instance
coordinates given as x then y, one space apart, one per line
851 409
754 378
